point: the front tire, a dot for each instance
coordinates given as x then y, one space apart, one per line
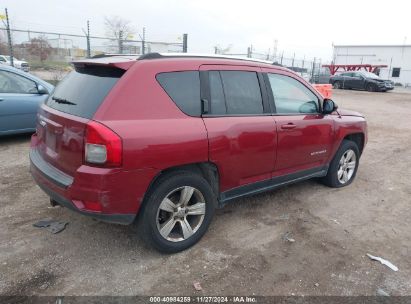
371 88
343 167
177 212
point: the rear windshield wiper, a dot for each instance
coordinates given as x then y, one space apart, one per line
62 100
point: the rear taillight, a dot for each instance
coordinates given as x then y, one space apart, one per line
103 147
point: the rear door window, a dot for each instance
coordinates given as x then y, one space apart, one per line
235 93
82 91
184 89
242 92
218 105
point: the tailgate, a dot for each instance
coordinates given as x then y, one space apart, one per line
63 119
61 139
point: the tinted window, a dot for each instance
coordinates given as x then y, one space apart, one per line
396 72
242 92
184 89
291 96
82 91
347 74
217 95
13 83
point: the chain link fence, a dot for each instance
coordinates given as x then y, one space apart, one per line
52 49
310 69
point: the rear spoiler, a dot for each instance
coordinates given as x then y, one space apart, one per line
122 62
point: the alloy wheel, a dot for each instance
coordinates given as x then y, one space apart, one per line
346 166
181 214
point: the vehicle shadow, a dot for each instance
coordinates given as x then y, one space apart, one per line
15 139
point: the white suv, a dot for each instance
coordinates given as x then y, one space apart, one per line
20 64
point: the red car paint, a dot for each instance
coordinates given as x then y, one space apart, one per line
157 136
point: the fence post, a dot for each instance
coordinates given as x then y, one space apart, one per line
9 38
282 55
249 52
143 42
185 38
88 40
120 42
319 71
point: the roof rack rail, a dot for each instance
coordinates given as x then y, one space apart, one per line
113 55
193 55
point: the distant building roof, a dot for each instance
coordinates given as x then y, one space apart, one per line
372 45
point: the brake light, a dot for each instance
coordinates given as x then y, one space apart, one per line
103 147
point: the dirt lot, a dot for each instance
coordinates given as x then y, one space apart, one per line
243 252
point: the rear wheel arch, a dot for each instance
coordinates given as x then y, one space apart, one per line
207 170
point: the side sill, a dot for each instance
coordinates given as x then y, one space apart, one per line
270 184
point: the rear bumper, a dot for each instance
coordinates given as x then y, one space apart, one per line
123 219
118 192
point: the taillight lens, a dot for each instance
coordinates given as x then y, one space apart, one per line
103 147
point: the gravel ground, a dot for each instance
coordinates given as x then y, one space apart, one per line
244 251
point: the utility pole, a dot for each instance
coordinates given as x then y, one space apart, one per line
143 42
120 42
88 40
9 38
185 37
313 71
250 51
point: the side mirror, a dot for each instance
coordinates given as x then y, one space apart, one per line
41 90
329 106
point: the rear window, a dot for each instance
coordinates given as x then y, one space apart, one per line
82 91
184 89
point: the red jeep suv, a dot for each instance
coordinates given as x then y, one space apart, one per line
163 140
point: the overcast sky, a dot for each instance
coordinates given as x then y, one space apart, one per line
306 28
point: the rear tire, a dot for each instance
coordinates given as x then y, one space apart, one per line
177 212
343 167
337 85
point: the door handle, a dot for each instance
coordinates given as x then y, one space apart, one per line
288 126
1 99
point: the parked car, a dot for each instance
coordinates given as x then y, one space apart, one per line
20 64
361 80
20 96
163 140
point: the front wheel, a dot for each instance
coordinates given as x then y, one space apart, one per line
343 167
177 212
371 88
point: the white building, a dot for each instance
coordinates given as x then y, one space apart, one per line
396 57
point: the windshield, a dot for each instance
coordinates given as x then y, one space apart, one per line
370 75
82 91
